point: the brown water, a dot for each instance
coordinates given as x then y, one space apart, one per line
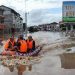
49 64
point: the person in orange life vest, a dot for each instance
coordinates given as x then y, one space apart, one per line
21 45
9 46
30 44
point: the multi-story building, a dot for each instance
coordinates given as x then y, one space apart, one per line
48 27
45 27
11 19
1 20
68 14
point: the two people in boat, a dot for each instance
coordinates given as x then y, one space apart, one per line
21 45
25 46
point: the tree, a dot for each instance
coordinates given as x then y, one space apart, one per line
32 29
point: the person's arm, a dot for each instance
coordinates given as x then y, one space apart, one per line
18 44
33 45
9 47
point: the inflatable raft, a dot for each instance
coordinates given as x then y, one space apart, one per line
20 59
34 53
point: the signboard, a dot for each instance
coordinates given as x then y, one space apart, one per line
68 19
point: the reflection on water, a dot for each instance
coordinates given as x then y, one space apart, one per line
21 63
11 68
20 68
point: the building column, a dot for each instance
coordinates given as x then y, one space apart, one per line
71 27
66 29
71 33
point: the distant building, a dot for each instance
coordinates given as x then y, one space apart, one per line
11 19
68 14
48 27
44 27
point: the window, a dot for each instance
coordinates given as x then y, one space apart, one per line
70 7
66 7
70 13
66 13
1 20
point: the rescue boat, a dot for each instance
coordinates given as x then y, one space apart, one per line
34 53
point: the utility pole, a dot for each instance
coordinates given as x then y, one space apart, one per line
25 19
26 23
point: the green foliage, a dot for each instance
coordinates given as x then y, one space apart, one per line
32 29
63 27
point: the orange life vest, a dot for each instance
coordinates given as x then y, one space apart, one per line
23 47
9 43
30 44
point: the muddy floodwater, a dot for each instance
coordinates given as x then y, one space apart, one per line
50 63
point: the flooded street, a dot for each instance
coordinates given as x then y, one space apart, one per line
48 37
50 63
37 37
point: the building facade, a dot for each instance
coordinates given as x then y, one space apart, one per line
11 19
68 14
48 27
68 11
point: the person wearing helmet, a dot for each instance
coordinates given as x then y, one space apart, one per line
30 44
21 44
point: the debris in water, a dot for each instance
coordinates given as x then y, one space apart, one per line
68 49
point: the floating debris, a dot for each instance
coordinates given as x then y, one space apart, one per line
68 49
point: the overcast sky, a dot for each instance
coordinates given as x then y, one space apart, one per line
39 11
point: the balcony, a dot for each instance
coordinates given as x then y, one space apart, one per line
2 26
